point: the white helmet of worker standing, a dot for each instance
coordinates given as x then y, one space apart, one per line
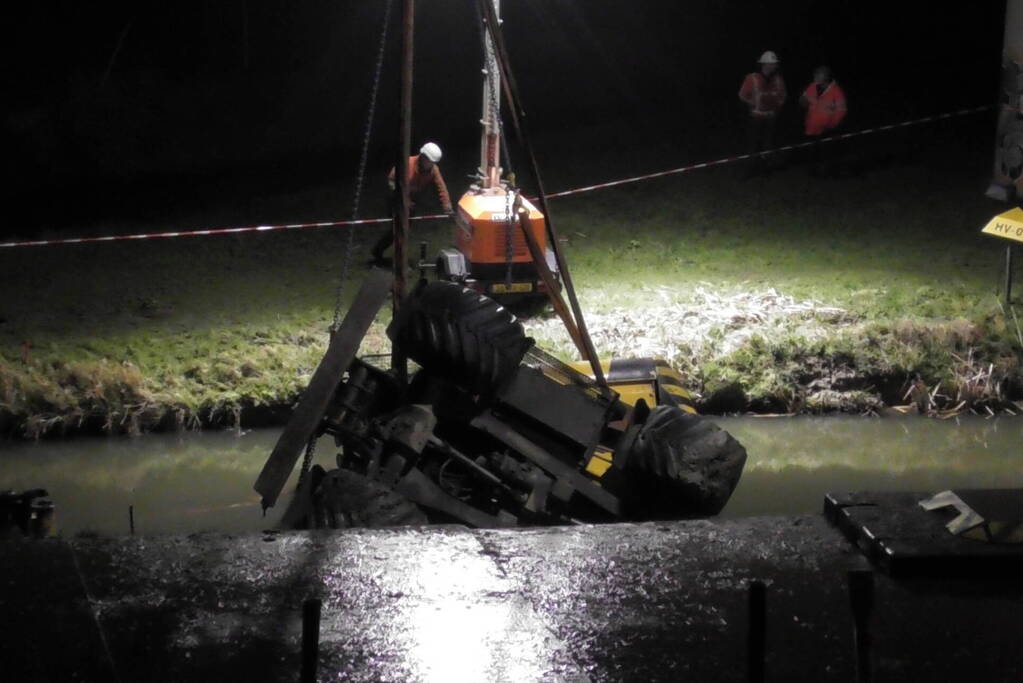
768 58
431 152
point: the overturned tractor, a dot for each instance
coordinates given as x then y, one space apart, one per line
491 432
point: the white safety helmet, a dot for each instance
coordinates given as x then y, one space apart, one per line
431 152
768 58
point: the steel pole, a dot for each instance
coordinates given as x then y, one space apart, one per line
401 217
1008 275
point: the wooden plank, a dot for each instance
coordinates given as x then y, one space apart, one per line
315 399
905 540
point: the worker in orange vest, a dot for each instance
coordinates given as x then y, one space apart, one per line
422 171
824 102
764 94
825 106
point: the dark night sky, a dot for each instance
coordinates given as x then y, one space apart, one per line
274 93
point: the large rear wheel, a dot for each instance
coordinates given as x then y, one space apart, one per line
681 465
467 337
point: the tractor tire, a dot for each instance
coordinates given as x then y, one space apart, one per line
451 330
681 465
345 499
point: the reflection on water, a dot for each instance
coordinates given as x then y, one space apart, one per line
793 462
203 481
175 482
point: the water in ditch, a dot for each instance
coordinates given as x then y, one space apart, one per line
203 481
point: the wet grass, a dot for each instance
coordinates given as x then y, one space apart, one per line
139 335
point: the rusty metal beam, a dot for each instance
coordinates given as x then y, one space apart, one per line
401 215
557 302
306 419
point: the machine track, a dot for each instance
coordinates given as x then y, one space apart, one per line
345 499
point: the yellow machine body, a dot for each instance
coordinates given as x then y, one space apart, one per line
651 380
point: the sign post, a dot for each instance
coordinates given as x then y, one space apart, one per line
1008 225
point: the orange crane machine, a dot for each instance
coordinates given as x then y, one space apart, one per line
492 255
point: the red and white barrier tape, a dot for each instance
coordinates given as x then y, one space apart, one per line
786 148
203 233
565 193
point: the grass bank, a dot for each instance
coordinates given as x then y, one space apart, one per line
782 293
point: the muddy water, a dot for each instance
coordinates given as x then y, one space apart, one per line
793 462
175 482
203 481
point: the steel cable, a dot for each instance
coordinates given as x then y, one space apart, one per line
360 177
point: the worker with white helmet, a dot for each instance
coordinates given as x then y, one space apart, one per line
763 92
422 172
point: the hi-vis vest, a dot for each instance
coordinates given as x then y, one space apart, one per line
764 96
824 111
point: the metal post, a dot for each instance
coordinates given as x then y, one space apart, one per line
398 358
756 636
861 598
131 519
1008 275
310 639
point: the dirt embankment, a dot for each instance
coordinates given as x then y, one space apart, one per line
765 352
747 351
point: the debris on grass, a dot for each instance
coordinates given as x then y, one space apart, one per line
703 325
764 351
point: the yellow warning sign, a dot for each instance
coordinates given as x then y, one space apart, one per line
1008 225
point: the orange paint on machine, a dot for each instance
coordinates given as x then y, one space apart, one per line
485 219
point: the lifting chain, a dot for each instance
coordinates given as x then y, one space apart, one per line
346 262
307 460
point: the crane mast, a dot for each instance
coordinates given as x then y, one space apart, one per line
490 139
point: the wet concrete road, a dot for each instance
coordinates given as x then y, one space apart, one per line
622 602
